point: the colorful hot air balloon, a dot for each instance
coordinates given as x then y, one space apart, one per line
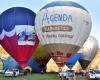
62 27
88 51
41 56
17 34
71 62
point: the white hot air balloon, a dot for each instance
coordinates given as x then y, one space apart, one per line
88 51
62 27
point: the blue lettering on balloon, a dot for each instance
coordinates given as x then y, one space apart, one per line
56 17
45 17
69 18
51 18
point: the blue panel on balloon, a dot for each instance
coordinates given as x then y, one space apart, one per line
71 62
16 16
64 3
35 67
10 63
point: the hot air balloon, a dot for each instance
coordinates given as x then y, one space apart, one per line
17 34
88 51
62 27
71 62
41 56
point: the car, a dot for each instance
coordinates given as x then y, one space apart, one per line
69 74
11 72
62 73
97 74
91 74
94 74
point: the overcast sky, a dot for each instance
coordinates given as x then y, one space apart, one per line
93 6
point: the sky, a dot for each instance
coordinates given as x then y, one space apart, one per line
93 6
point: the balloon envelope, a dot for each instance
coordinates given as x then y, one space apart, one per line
71 62
60 27
17 34
88 51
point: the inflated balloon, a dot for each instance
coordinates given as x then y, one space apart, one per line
88 51
41 56
71 62
17 34
62 27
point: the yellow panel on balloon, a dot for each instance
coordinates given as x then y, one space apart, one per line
77 67
65 68
52 66
3 54
94 64
1 65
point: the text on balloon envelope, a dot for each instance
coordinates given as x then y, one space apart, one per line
56 17
58 35
66 28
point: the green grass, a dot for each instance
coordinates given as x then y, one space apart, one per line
81 78
35 76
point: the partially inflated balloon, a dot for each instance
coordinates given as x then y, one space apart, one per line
10 63
62 28
17 34
88 51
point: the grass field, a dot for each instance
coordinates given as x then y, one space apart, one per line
35 76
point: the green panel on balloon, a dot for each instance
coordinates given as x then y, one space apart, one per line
41 56
40 52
